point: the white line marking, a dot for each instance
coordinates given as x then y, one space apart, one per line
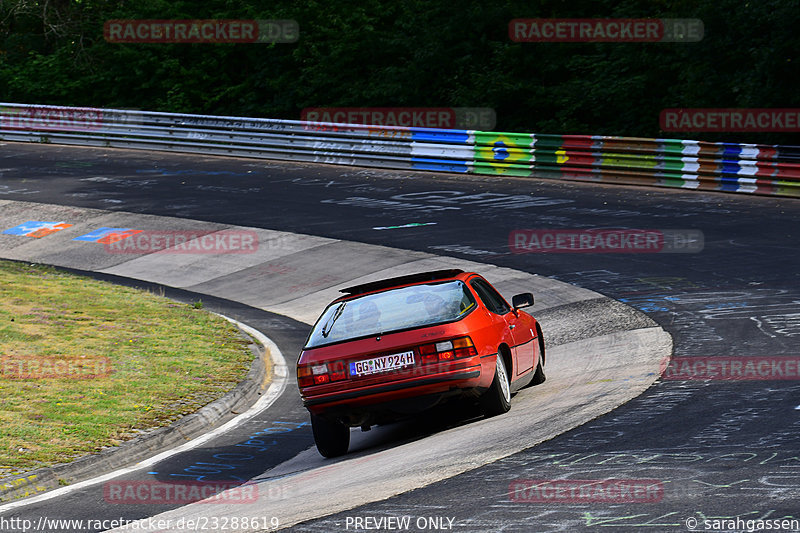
411 225
279 378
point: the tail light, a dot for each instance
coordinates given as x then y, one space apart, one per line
449 350
319 374
436 352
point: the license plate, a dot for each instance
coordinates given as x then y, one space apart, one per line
385 363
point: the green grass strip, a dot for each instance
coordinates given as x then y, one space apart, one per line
86 364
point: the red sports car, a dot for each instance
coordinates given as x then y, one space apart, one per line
399 346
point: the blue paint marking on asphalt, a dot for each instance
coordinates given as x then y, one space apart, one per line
99 233
649 303
201 470
725 305
32 226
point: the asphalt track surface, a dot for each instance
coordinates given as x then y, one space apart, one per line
722 449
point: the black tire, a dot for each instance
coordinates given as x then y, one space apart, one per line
497 400
331 437
538 376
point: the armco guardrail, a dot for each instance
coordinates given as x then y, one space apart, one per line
748 168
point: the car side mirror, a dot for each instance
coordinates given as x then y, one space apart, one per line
522 300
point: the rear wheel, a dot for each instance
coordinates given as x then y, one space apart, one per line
497 400
331 436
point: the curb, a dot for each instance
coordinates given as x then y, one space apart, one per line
186 428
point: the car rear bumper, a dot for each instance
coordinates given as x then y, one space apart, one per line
357 406
392 387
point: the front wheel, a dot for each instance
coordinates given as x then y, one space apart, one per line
538 376
331 436
497 400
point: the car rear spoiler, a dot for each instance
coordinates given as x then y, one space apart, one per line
402 280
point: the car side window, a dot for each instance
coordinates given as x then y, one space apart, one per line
490 297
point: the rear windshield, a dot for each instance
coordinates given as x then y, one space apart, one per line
393 310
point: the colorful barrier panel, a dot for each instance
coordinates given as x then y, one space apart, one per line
729 167
750 168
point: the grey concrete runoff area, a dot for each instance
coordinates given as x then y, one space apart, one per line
600 353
